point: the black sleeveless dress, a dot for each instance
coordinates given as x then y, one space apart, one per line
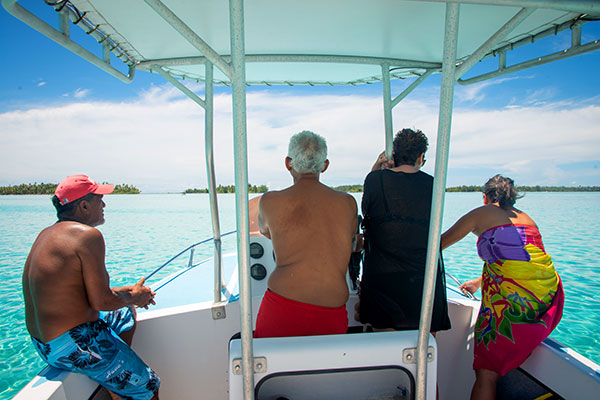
396 207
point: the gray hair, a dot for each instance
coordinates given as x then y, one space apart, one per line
308 152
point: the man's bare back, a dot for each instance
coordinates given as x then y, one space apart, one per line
312 228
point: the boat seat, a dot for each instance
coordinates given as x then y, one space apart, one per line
378 365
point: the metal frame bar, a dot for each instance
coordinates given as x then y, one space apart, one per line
236 15
191 36
387 110
62 38
491 42
575 49
412 87
561 55
308 58
439 184
180 86
578 6
528 39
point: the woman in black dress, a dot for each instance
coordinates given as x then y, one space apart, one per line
396 205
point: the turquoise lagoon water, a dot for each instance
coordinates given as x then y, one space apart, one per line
143 231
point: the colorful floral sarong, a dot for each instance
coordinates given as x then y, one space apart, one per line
522 297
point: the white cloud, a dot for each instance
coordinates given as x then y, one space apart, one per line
40 84
475 93
81 93
157 141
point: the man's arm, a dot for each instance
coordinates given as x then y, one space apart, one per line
355 236
253 215
101 296
262 218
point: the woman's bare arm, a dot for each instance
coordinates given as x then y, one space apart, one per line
461 228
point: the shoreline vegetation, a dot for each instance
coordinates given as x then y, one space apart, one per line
475 188
230 189
49 188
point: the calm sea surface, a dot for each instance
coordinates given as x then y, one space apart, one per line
144 231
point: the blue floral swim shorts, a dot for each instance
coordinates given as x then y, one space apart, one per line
94 349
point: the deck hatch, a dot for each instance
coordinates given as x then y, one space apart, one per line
378 382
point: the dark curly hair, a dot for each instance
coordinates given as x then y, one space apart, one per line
67 210
501 189
408 146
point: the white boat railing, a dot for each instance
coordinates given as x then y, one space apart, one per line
191 250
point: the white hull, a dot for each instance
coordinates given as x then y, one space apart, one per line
190 352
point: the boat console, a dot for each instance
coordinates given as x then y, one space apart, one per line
262 263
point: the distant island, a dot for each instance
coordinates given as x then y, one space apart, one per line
537 188
463 188
231 189
349 188
476 188
49 188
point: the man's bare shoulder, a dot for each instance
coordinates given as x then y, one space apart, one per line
345 197
73 233
274 196
267 197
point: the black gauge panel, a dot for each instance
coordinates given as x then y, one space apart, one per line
256 250
258 272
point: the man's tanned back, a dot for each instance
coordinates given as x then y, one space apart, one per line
312 228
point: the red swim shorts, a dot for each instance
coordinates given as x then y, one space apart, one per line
279 316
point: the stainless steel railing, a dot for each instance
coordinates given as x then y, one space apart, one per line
191 250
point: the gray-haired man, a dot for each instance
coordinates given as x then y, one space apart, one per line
312 228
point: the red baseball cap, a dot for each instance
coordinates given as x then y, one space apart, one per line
76 186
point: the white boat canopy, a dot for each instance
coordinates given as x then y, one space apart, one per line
313 42
340 42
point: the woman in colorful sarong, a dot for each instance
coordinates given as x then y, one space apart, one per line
522 296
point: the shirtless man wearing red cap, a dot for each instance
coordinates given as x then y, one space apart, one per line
76 320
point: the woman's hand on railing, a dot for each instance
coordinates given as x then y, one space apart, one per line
471 286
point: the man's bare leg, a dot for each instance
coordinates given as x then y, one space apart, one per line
127 336
484 387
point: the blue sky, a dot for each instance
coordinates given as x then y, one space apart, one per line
60 115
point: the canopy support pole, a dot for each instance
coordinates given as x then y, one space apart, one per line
207 104
212 182
387 110
236 15
180 86
412 87
437 203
